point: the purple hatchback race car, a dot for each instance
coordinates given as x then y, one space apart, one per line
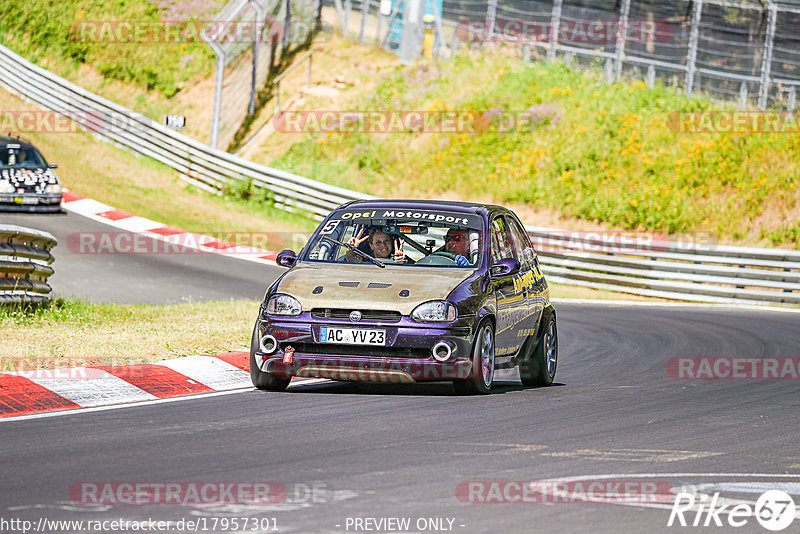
406 291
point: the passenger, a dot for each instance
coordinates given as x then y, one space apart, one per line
382 245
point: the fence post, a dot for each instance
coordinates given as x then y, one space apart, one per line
409 49
766 65
491 18
218 79
792 99
555 22
651 76
694 37
340 13
287 25
260 17
622 37
364 12
348 7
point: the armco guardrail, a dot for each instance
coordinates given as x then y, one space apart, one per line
207 168
25 264
648 266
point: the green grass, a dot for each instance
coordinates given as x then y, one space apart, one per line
42 28
598 152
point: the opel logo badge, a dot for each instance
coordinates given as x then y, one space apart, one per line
355 316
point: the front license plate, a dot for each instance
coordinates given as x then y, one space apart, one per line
26 200
352 336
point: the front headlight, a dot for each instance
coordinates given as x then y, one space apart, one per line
52 188
434 311
6 187
280 304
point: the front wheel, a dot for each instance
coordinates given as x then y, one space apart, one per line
263 380
539 369
482 375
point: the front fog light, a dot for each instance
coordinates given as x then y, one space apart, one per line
283 305
434 311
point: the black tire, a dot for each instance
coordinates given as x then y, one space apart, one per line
539 369
262 380
480 382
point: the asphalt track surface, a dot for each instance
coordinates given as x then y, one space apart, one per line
379 452
142 278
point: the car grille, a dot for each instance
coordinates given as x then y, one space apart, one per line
381 316
358 350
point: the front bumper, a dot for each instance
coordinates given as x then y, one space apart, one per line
406 358
30 202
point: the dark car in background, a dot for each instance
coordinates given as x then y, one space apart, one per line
459 295
27 181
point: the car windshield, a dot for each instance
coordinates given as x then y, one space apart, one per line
420 237
15 156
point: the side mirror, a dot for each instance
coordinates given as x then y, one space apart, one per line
286 258
504 267
53 166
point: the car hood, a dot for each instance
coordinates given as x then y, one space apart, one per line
368 287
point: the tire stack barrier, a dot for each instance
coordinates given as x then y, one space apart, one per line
25 260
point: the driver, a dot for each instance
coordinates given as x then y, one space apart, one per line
381 244
455 242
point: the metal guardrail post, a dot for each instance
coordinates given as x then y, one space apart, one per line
555 22
694 37
766 64
622 37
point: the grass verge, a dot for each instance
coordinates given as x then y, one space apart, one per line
72 333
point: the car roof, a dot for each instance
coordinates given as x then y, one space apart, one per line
408 204
6 139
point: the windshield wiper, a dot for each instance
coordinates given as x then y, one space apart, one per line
354 249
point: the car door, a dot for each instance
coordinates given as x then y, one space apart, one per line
510 301
530 281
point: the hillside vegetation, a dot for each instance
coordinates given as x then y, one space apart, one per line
589 150
73 32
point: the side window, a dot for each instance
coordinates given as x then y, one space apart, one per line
501 241
521 243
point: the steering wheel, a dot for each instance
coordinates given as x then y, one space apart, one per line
438 258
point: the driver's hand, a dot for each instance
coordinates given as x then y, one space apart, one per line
399 255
